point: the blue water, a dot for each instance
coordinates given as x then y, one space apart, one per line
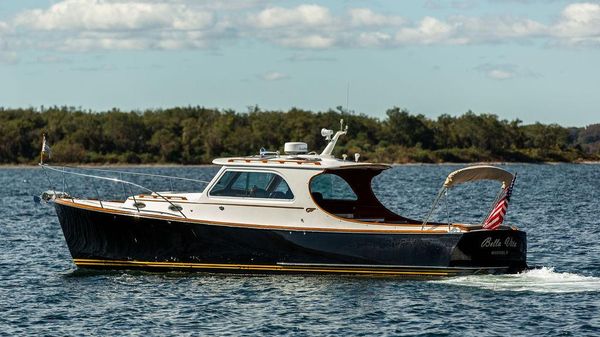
42 293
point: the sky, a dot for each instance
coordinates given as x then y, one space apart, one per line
535 60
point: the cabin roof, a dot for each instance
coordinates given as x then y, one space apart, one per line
313 162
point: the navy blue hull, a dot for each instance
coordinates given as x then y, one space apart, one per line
99 239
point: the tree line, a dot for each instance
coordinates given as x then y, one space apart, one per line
196 135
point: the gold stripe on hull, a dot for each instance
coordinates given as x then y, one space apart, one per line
266 268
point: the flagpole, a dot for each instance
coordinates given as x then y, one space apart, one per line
42 148
496 216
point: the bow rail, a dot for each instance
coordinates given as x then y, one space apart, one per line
64 171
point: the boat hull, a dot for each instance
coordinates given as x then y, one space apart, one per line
110 240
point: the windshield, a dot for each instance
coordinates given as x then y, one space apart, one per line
252 185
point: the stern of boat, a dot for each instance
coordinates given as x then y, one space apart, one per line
492 248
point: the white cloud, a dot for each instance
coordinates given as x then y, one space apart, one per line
120 24
373 39
579 24
3 27
499 28
505 71
430 30
468 30
499 74
366 17
301 16
83 25
84 43
105 15
274 76
582 13
228 5
313 41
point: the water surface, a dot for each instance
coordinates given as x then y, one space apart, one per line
42 293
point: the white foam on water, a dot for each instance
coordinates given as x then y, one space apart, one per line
542 280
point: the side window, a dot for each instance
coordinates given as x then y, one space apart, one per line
222 184
240 183
331 187
252 185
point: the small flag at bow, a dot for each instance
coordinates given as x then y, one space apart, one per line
496 217
46 151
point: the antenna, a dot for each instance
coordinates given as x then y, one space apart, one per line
347 96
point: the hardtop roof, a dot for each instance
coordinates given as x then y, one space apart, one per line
298 162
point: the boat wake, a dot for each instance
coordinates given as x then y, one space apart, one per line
542 280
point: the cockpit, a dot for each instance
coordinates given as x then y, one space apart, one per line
347 193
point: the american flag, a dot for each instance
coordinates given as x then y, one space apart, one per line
496 217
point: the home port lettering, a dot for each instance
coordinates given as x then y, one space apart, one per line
509 242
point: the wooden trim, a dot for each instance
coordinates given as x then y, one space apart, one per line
266 161
160 198
364 270
69 203
273 165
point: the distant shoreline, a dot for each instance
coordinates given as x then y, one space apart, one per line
196 135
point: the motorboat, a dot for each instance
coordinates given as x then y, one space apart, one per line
291 212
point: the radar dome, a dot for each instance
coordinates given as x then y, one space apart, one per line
295 148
